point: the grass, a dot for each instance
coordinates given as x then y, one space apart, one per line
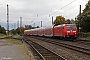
13 41
17 36
84 36
2 35
81 38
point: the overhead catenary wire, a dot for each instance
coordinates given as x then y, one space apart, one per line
75 7
55 11
63 7
55 4
71 8
59 9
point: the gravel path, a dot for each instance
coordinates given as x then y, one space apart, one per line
9 51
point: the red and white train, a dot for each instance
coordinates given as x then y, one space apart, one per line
63 31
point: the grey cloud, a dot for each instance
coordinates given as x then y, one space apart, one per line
28 10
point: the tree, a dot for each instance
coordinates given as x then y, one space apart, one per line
28 26
84 19
72 21
13 31
38 27
68 21
85 23
21 29
77 23
2 30
87 8
59 20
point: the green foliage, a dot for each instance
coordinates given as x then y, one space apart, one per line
19 30
2 35
72 21
28 26
2 30
38 27
17 36
59 20
85 23
13 31
76 22
13 41
84 36
68 21
85 18
87 8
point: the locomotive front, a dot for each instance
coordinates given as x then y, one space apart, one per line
71 31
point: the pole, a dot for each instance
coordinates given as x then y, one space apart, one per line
20 25
80 20
41 23
20 21
34 25
17 24
14 26
52 20
7 20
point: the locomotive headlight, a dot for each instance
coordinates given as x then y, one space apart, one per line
75 33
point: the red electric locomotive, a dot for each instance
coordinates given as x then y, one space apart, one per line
66 31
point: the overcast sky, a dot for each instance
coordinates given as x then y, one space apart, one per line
35 11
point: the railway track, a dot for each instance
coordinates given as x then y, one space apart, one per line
43 53
84 41
72 47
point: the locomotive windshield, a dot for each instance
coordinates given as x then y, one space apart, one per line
70 26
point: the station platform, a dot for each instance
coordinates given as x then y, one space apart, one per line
13 50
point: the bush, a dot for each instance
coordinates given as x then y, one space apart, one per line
82 34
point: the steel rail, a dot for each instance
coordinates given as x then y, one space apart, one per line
60 57
76 48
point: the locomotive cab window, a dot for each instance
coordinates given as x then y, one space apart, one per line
70 26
